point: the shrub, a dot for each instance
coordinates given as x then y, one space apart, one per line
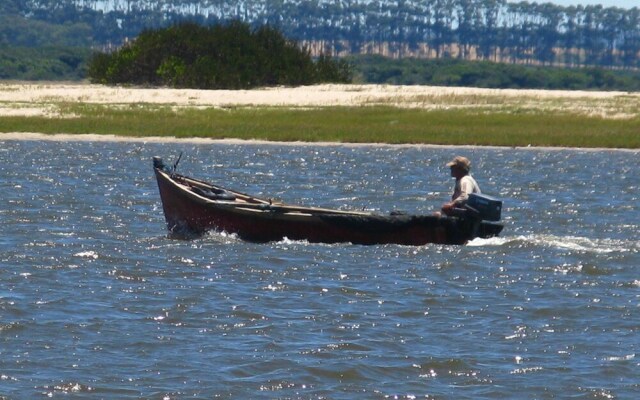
231 56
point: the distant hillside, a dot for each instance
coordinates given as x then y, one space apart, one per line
44 39
521 33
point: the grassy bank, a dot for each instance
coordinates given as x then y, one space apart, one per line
375 124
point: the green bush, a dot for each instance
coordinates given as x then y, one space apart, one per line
231 56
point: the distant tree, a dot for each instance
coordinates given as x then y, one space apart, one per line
330 70
232 56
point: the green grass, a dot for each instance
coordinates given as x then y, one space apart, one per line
375 124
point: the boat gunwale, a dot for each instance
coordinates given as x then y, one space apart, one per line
257 204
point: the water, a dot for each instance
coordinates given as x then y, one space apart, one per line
97 302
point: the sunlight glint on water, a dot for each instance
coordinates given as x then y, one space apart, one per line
98 301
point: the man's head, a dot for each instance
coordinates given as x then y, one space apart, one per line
460 166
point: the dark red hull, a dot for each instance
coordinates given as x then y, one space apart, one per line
257 220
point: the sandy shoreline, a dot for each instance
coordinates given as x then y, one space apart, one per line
65 137
45 98
34 98
317 95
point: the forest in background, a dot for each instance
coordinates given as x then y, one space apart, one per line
488 74
522 34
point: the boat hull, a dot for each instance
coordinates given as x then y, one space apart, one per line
187 212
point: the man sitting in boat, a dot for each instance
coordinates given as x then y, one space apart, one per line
465 184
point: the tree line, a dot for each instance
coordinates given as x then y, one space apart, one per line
487 74
496 30
223 56
44 63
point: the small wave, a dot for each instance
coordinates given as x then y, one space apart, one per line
123 275
627 357
528 370
4 377
291 242
583 244
87 254
446 364
222 237
11 326
575 243
286 240
68 387
495 241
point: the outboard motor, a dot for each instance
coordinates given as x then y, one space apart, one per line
484 207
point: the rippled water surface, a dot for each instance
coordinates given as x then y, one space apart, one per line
96 301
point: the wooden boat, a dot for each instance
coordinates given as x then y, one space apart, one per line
193 206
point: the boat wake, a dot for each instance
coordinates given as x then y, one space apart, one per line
221 237
573 243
